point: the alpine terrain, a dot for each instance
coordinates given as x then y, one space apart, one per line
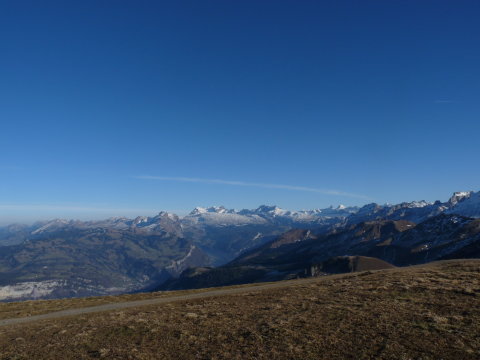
216 246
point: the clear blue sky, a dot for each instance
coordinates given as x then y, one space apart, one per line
361 100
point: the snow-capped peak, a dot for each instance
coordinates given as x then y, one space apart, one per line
51 224
466 204
418 204
270 210
459 196
198 210
140 219
166 215
212 209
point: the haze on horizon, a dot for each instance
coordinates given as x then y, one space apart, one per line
127 109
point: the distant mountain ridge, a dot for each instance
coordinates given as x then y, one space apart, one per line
465 203
146 251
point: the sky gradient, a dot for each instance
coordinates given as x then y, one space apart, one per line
128 108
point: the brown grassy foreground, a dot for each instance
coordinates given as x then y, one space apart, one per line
10 310
423 312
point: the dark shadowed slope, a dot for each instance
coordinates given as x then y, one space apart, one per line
300 253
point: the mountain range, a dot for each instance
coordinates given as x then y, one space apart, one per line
217 246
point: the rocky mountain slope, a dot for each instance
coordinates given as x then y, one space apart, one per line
301 253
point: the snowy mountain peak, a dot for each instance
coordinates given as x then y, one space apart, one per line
459 196
220 210
212 209
167 215
51 224
418 204
140 220
198 211
466 204
270 210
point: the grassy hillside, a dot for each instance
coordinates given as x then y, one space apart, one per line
423 312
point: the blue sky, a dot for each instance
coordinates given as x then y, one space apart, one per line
125 108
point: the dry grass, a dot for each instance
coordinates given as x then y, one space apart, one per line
10 310
423 312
